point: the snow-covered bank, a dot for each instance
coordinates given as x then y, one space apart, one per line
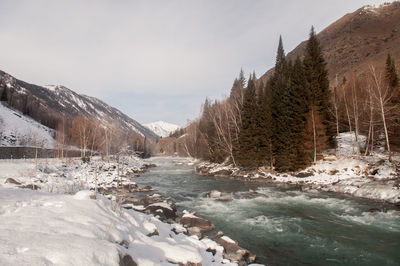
371 177
42 228
61 224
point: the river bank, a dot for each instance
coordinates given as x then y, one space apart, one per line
52 214
372 177
283 226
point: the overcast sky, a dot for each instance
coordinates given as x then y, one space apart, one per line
154 60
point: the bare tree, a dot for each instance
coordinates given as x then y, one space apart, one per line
369 146
83 132
355 113
61 139
383 97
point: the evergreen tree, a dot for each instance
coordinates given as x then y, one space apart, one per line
235 89
246 152
280 112
4 97
299 99
242 79
391 72
317 84
264 125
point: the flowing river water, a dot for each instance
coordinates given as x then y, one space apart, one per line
285 227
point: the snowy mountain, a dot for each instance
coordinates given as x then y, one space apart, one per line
19 130
50 104
161 128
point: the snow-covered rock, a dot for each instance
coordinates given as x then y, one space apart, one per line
161 128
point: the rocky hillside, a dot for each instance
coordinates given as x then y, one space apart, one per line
357 40
50 104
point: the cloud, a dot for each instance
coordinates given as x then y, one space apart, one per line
166 51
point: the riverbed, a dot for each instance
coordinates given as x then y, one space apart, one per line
285 227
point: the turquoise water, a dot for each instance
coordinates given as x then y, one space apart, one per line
286 227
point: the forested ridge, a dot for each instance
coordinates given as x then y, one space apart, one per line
287 122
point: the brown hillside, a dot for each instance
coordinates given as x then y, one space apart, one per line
356 40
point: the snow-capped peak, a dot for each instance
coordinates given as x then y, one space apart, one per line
161 128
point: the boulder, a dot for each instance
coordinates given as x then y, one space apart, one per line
126 260
304 174
12 181
147 166
190 220
235 253
145 189
129 186
214 194
142 201
194 231
225 198
162 209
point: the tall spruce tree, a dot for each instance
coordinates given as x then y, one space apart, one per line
320 116
299 99
280 111
246 153
265 138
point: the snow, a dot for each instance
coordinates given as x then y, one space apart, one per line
228 239
161 128
60 223
50 87
17 129
162 205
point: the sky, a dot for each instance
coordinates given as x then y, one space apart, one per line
154 60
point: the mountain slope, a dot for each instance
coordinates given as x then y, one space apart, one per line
161 128
357 40
19 130
52 104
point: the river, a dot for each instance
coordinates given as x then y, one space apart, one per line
285 227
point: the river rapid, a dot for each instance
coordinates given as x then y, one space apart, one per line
285 227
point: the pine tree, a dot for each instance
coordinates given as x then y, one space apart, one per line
242 79
280 111
235 89
246 152
264 125
299 99
206 127
317 82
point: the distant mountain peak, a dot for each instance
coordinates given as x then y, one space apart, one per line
162 128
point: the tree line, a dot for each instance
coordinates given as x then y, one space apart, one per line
286 122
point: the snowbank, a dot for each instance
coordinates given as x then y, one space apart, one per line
62 223
40 228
